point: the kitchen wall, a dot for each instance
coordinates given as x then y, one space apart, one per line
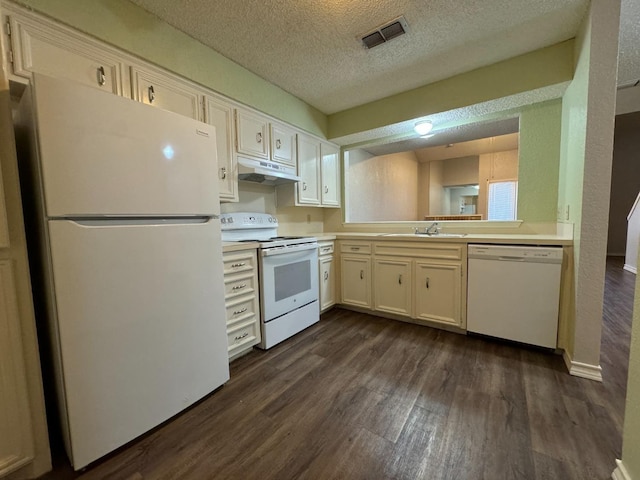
625 179
585 174
631 432
381 188
131 28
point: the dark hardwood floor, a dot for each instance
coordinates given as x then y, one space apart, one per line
362 397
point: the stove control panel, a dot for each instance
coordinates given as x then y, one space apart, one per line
244 220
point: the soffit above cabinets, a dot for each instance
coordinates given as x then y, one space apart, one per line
314 51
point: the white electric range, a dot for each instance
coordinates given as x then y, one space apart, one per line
288 271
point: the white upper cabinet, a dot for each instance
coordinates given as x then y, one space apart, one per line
61 52
166 92
252 130
330 172
220 115
283 144
308 170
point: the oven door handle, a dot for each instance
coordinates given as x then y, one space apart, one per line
267 252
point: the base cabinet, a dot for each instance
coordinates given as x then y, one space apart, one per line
241 301
425 282
327 272
355 274
392 285
437 292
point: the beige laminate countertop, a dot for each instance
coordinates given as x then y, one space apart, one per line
502 239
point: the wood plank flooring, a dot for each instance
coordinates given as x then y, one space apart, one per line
362 397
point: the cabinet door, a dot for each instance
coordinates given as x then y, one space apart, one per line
16 441
166 92
283 144
308 170
220 115
327 282
62 54
437 291
252 132
392 280
356 280
330 170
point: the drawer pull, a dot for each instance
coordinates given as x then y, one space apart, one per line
278 143
236 265
326 276
361 274
259 137
239 287
240 337
152 94
399 279
427 285
326 189
355 249
102 78
304 185
223 173
238 312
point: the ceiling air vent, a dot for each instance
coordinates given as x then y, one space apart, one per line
384 33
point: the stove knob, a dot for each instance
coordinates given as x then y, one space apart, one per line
223 220
230 220
252 219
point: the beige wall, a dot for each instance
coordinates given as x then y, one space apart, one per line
625 179
460 171
436 173
381 188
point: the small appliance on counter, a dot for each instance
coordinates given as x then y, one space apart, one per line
288 269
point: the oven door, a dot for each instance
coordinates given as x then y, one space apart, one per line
288 279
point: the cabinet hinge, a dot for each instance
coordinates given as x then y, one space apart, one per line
10 54
7 27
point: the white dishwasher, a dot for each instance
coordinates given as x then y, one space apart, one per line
514 292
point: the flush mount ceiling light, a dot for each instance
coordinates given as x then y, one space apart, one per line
423 127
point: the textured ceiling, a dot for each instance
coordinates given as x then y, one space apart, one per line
311 48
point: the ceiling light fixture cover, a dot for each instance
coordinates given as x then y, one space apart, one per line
423 127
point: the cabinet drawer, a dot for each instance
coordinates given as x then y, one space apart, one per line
438 251
325 248
239 262
355 247
241 309
240 284
243 334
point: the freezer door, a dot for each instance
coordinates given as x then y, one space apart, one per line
141 321
106 155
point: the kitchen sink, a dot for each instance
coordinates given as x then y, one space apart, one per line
441 235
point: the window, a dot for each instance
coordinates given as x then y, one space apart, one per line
502 200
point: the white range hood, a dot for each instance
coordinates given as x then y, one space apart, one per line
264 172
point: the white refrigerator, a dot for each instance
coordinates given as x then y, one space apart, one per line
131 256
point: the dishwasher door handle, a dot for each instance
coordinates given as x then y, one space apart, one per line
511 259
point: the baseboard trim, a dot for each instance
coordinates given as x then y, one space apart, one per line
582 370
629 268
620 473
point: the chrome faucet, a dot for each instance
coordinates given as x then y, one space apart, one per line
432 229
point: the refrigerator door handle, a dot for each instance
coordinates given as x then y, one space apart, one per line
125 221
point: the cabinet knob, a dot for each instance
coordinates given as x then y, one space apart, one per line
223 173
259 137
102 78
152 94
278 143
